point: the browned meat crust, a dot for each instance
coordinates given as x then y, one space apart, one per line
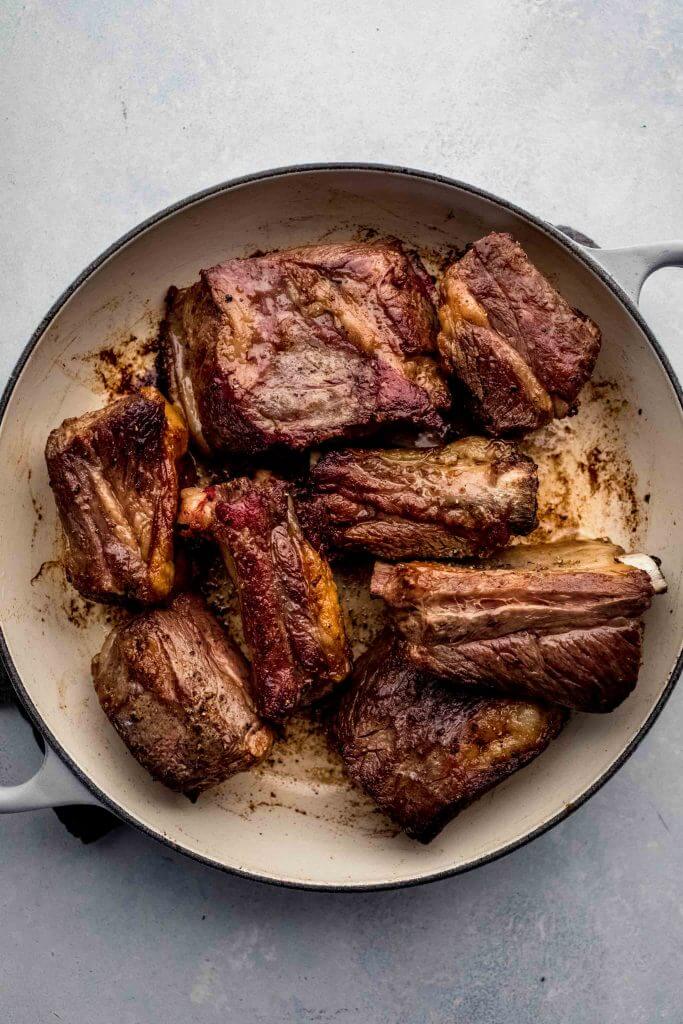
302 346
446 602
464 499
290 608
520 351
585 669
176 691
115 480
424 751
567 633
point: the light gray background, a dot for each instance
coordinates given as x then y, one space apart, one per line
110 111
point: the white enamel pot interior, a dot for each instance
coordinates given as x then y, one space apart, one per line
315 831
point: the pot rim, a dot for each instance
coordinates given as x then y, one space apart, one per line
557 236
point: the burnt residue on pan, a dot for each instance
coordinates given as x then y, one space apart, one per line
587 486
51 564
304 776
81 613
124 366
37 508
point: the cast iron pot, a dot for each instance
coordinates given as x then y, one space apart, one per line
294 825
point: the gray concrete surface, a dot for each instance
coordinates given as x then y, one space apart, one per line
112 110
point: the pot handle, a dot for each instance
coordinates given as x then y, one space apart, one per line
53 785
631 267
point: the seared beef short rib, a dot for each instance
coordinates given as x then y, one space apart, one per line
290 608
520 352
464 499
177 691
302 346
115 480
423 750
558 622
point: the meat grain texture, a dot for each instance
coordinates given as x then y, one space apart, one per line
424 751
558 622
520 353
463 499
177 692
114 475
290 609
303 346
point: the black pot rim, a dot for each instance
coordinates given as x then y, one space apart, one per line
565 242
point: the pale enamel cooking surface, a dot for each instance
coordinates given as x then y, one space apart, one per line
299 822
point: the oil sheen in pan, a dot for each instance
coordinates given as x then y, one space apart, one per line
587 487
